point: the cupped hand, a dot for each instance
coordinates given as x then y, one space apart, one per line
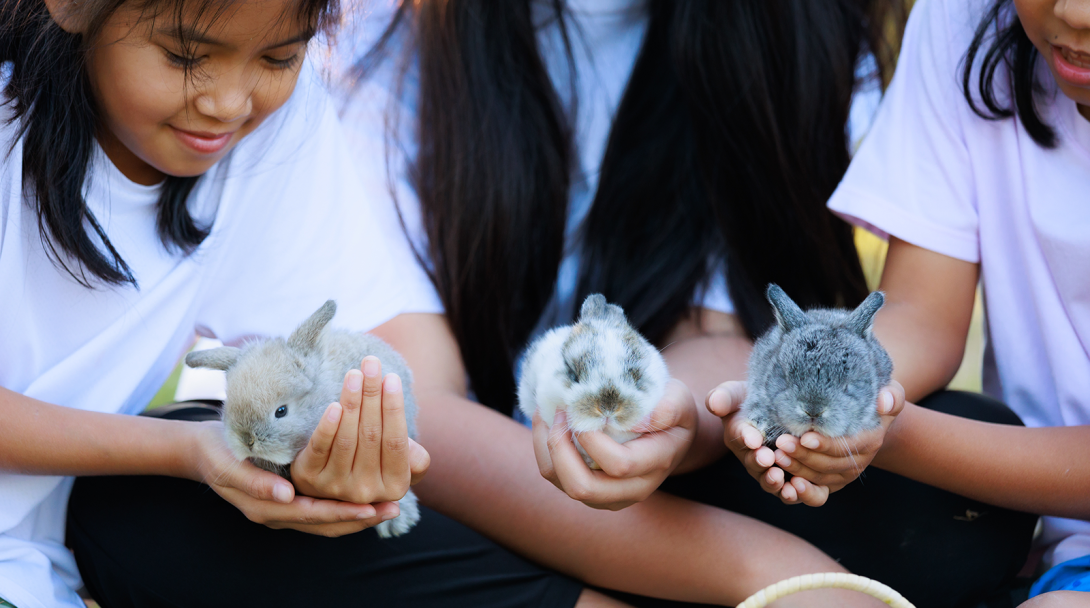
630 471
361 451
819 464
267 498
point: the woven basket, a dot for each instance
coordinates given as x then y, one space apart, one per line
828 580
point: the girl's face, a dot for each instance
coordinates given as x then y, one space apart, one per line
1060 29
171 110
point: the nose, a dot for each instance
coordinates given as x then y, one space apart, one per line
1075 13
250 440
226 101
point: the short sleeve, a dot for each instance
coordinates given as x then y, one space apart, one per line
911 177
294 230
378 118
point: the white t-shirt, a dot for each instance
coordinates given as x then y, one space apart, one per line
607 35
933 173
288 233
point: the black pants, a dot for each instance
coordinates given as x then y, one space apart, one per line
156 541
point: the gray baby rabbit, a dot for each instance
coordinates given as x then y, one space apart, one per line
816 371
277 391
601 371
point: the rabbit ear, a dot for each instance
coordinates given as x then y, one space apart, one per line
306 335
595 307
862 318
788 314
213 358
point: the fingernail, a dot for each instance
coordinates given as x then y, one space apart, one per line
354 382
282 493
334 414
560 419
370 367
392 384
762 459
886 405
784 460
811 443
389 516
366 513
787 445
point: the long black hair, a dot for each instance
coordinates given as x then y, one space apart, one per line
728 141
52 101
1008 53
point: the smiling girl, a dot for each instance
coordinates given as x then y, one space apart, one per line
168 167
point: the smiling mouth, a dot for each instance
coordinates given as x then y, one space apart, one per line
203 142
1075 58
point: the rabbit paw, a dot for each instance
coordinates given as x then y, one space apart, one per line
410 514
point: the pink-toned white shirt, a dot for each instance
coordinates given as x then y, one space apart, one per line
934 174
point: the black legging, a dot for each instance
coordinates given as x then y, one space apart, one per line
157 541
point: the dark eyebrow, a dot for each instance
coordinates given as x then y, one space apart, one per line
191 34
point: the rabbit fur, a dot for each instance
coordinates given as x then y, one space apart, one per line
819 370
302 374
601 371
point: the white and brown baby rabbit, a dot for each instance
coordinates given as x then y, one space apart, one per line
816 371
277 391
601 371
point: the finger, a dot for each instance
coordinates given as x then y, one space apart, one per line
301 509
542 437
313 459
419 461
670 411
726 398
395 436
809 494
343 453
369 454
864 442
256 483
788 495
812 464
896 392
798 469
757 462
634 458
772 481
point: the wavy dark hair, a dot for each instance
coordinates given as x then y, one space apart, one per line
55 110
729 139
1008 53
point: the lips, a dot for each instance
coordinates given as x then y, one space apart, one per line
1071 66
203 142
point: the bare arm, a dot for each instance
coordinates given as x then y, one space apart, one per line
702 351
484 474
1041 470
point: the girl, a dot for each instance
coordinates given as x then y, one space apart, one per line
675 156
157 156
977 168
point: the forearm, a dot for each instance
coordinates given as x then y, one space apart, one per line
38 438
703 355
1039 470
484 474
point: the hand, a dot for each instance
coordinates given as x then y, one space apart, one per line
828 466
267 498
630 471
361 452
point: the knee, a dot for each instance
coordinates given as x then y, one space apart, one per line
1059 599
974 406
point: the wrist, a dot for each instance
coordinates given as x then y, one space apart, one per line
184 458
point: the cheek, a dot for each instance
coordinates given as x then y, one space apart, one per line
271 92
135 92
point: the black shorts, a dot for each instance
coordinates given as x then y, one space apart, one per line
157 541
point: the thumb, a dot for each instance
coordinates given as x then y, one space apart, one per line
261 484
726 398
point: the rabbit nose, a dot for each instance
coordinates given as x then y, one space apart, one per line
250 440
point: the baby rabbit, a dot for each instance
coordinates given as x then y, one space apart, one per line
277 391
600 370
816 371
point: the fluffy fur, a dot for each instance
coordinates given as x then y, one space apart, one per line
816 371
304 374
601 371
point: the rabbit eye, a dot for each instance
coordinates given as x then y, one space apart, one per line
281 411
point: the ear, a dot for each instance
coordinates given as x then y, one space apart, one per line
66 14
595 307
213 358
862 318
788 314
306 335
